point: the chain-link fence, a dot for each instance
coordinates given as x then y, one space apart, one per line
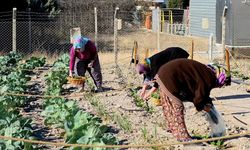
43 33
39 32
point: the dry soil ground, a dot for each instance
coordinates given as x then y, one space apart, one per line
134 125
231 101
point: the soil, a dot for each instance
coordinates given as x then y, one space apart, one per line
139 125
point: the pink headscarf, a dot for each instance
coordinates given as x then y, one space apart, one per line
222 75
142 68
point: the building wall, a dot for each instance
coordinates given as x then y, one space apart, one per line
206 16
203 17
238 28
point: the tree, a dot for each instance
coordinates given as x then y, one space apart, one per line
182 4
50 6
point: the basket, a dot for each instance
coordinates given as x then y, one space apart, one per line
76 80
155 101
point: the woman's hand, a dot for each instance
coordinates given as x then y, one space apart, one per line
142 93
146 96
143 90
70 73
207 107
90 65
149 93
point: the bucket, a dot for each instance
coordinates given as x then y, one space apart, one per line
218 127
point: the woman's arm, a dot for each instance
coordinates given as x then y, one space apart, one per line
149 93
93 52
144 87
71 61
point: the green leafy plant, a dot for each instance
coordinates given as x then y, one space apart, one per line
123 122
32 63
57 113
156 95
80 127
218 143
84 128
14 125
9 62
148 137
140 102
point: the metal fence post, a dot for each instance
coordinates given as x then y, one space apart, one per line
14 30
210 51
223 41
30 39
158 28
115 36
95 10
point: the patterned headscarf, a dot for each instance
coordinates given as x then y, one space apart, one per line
80 42
143 67
222 75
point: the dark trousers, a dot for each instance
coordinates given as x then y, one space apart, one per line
95 71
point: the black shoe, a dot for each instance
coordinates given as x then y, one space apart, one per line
99 89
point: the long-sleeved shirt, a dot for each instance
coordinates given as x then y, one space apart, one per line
159 59
88 54
188 80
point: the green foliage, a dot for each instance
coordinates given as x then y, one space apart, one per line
62 62
173 3
218 143
56 78
239 75
84 128
140 102
14 82
54 81
156 95
13 125
50 6
80 127
33 62
149 138
123 122
9 62
58 112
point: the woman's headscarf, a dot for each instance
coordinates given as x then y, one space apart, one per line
223 76
143 67
80 42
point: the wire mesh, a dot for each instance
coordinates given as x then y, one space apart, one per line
41 32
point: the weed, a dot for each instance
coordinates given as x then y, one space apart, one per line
217 143
123 122
150 138
140 102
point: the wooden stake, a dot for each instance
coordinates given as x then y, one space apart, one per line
192 50
147 53
227 60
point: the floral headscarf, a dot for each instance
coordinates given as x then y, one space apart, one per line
80 42
222 75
